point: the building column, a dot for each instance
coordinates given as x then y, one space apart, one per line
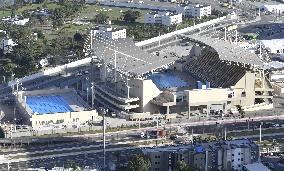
168 110
188 114
208 110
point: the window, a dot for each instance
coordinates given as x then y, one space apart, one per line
233 160
157 169
242 159
239 153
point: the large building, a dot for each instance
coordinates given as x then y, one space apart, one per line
208 79
164 18
194 10
223 155
55 106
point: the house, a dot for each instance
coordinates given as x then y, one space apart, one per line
164 18
274 46
18 20
108 32
6 45
274 8
193 10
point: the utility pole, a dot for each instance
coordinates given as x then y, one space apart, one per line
260 132
236 39
206 160
225 134
88 95
225 34
248 123
139 124
92 95
104 137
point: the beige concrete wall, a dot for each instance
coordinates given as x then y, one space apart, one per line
67 118
47 91
278 89
146 90
206 96
150 91
246 83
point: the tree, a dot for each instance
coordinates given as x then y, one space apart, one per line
130 16
139 163
58 17
101 18
182 166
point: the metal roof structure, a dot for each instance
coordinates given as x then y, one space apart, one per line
127 58
228 51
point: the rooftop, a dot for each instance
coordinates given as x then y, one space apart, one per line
228 51
256 166
130 59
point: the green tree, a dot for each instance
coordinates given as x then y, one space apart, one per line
182 166
131 16
9 68
139 163
13 12
101 18
58 17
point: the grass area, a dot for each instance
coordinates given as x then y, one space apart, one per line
5 13
114 13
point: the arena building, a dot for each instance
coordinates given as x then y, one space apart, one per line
55 106
213 77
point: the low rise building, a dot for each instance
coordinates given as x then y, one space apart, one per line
194 10
274 8
275 46
7 45
164 18
224 155
18 20
108 32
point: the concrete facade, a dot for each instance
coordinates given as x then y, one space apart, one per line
194 10
224 155
164 18
108 32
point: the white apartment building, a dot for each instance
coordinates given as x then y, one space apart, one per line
194 10
109 33
279 8
7 45
164 18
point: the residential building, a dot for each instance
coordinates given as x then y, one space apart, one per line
194 10
7 45
108 32
42 12
18 20
224 155
164 18
275 46
275 8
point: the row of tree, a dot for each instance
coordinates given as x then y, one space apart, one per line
26 54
